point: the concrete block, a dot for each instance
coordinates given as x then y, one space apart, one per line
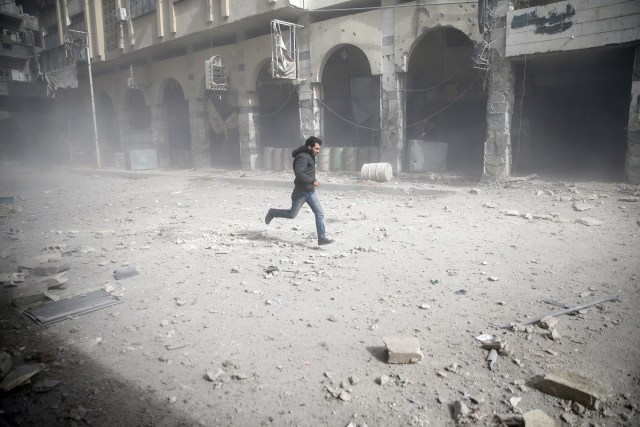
28 293
537 418
403 349
571 386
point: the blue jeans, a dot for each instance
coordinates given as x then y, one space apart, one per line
298 198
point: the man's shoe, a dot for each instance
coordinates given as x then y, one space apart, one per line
268 218
324 241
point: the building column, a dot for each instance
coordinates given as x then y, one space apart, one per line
200 149
632 161
309 94
392 100
248 115
500 101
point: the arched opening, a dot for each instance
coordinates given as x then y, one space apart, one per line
279 111
223 131
12 147
108 132
76 123
351 101
571 113
139 114
445 105
177 128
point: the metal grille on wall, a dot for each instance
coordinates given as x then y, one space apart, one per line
216 76
284 50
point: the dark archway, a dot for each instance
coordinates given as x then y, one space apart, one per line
352 100
570 119
13 146
108 130
139 113
177 128
223 131
279 111
445 104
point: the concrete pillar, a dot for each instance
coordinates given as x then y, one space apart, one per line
392 99
248 116
500 101
200 149
632 161
309 93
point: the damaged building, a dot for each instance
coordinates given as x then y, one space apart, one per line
486 88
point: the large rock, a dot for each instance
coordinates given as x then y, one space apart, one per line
403 349
571 386
538 418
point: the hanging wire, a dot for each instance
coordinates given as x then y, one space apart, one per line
445 107
364 9
437 84
295 89
344 119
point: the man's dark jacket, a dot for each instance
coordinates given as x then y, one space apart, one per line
304 166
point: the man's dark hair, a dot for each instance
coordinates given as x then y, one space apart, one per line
312 141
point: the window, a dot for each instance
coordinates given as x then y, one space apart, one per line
141 7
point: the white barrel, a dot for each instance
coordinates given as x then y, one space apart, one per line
277 159
267 158
376 172
324 159
349 154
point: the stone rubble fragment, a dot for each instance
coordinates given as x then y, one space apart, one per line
571 386
403 349
538 418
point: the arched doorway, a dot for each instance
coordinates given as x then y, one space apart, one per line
223 131
445 104
177 129
139 113
279 111
351 100
108 132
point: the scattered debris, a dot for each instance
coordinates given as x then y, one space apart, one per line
19 375
52 312
459 409
538 418
492 358
590 222
561 312
45 385
572 386
581 207
125 273
403 350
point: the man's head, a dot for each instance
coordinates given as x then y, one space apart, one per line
313 145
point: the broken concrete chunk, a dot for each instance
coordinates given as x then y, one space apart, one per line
581 207
5 364
49 269
459 409
403 349
125 273
56 281
538 418
572 386
19 375
590 222
492 359
28 293
548 322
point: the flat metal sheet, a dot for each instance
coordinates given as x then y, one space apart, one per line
57 311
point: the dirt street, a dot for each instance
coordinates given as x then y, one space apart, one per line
210 333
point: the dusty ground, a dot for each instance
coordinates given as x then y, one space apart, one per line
443 268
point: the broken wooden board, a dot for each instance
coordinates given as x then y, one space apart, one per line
19 375
57 311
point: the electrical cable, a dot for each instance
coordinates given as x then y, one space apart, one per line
295 89
361 9
437 84
445 107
